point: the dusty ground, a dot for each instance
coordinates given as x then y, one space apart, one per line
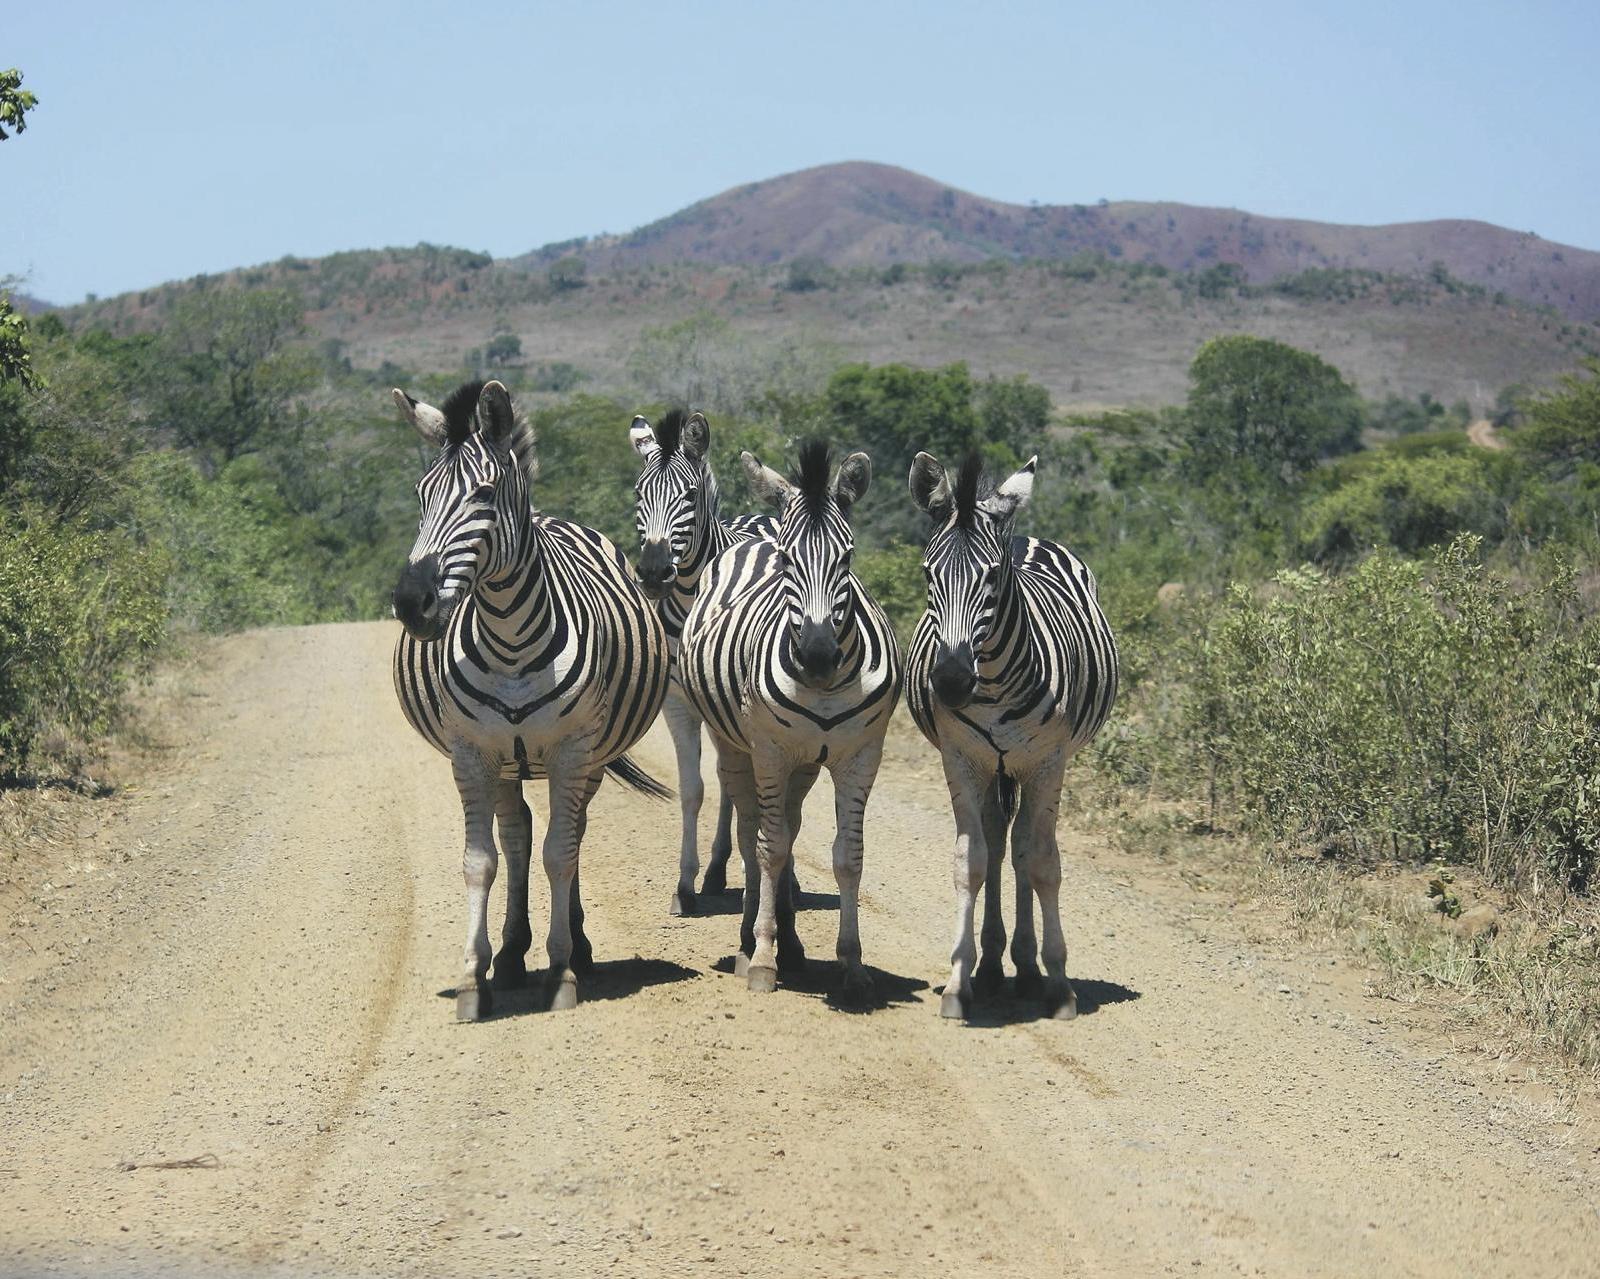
247 962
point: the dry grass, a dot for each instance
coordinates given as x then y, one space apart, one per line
1526 990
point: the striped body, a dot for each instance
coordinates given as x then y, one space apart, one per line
673 609
794 668
1012 671
1046 681
739 670
563 655
529 652
681 534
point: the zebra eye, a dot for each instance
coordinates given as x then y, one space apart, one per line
483 493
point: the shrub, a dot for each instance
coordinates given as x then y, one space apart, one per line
1408 503
81 610
1430 711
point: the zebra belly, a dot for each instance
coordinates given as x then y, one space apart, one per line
991 743
514 723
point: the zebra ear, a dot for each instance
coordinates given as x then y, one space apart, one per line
855 476
426 420
1013 494
765 483
695 439
496 417
642 436
930 486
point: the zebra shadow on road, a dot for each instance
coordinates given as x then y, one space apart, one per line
1007 1008
609 979
819 979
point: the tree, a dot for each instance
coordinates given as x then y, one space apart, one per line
894 410
567 273
504 348
229 378
1564 425
807 274
15 367
1261 413
15 103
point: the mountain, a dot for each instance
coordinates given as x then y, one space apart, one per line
1103 305
861 214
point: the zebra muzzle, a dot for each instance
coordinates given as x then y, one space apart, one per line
954 675
416 599
657 571
818 651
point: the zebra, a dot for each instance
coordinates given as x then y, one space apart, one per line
794 667
528 652
1011 671
681 533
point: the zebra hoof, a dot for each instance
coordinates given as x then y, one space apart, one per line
716 881
761 980
953 1006
510 972
1029 983
988 980
683 903
564 992
474 1002
741 965
1060 1001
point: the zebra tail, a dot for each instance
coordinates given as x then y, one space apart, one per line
1006 786
635 778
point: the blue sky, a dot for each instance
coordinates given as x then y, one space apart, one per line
175 138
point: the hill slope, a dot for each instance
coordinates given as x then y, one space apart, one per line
874 214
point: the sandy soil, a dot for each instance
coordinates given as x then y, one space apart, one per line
248 961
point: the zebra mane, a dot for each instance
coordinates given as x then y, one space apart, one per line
971 488
816 465
670 432
460 410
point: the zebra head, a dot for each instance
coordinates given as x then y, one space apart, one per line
676 496
474 502
815 545
967 563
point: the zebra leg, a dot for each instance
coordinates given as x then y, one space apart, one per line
990 979
852 784
971 863
772 857
477 783
568 796
684 725
1042 855
582 951
515 820
716 880
791 954
1024 944
739 785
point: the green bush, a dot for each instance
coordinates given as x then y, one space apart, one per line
1430 711
1408 503
81 611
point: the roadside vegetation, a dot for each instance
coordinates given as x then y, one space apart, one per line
1357 644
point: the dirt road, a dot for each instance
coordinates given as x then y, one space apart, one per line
249 964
